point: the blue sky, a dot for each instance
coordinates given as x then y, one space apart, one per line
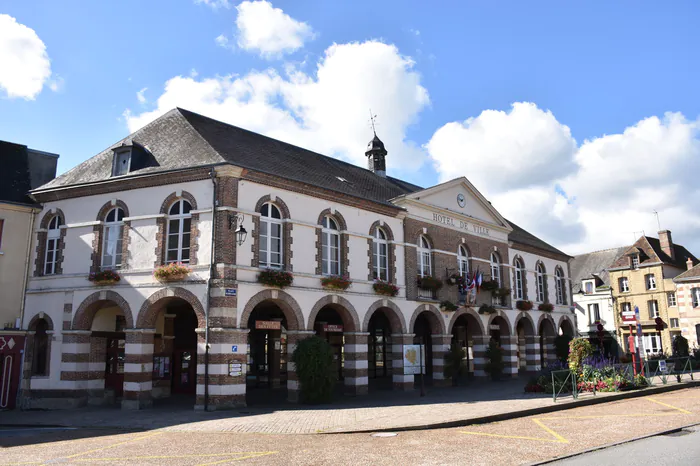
587 71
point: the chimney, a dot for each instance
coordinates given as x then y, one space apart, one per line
689 263
667 243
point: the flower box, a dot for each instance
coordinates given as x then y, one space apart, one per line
429 283
490 285
447 306
385 288
172 272
486 309
524 305
104 277
501 292
276 278
336 282
546 307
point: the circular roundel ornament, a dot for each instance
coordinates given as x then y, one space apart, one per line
461 201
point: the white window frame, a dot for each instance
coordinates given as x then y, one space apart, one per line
559 284
541 275
674 322
53 236
672 302
518 275
330 237
586 284
119 156
380 255
653 308
496 268
180 232
624 285
695 297
593 313
424 257
635 261
652 343
266 237
462 261
112 233
626 307
650 281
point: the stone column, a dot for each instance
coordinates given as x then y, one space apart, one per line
510 356
550 355
532 353
441 345
138 368
97 394
75 364
401 381
481 342
226 389
293 338
356 366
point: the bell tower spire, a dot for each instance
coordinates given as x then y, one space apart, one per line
376 153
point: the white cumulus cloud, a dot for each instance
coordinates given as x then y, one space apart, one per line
141 95
24 64
327 111
269 31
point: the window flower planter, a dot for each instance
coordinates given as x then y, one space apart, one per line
429 283
501 292
490 285
524 305
172 272
385 288
276 278
336 282
486 309
447 306
546 307
104 277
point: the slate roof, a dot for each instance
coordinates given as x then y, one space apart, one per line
22 170
182 139
650 253
691 274
594 264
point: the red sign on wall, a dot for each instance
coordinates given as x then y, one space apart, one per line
331 328
268 324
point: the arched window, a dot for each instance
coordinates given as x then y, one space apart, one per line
380 254
541 283
330 246
112 239
40 358
463 261
519 283
424 257
53 235
179 227
495 268
559 279
270 237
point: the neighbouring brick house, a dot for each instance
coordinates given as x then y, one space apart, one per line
185 189
688 297
643 277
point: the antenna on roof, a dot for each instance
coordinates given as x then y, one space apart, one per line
657 219
372 120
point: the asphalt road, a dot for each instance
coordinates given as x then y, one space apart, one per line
518 441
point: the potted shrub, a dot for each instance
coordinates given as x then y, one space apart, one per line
447 306
546 307
385 288
316 371
494 360
276 278
175 271
429 283
336 282
455 365
104 277
524 305
490 285
486 309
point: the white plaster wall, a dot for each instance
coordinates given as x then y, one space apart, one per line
447 199
105 319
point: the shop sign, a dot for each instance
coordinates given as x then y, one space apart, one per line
331 328
268 324
494 327
413 356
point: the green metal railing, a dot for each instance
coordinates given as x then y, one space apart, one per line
678 367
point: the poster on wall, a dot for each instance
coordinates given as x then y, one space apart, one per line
413 359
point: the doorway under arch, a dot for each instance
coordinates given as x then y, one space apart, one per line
465 327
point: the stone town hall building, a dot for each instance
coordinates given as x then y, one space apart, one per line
179 185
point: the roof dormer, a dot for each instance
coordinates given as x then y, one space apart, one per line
121 165
130 157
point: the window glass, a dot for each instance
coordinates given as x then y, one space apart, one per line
179 231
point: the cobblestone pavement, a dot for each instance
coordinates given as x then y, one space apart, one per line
517 441
382 410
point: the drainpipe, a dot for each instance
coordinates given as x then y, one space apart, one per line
212 268
27 262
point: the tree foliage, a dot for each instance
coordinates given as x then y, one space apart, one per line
313 358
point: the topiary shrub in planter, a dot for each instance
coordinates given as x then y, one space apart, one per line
175 271
545 307
385 288
494 360
486 309
104 277
336 282
448 306
455 365
276 278
524 305
313 359
429 283
579 349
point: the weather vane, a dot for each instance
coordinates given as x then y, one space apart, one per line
372 120
658 222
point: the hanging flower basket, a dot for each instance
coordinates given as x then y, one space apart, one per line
447 306
524 305
276 278
429 283
336 282
385 288
490 285
546 307
486 309
104 277
173 272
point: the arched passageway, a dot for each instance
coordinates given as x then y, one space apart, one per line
464 330
382 324
525 333
546 332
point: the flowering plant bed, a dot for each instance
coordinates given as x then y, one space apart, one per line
336 282
429 283
545 307
104 277
448 306
385 288
490 285
172 272
486 309
277 278
524 305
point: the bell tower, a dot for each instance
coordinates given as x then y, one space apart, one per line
376 154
